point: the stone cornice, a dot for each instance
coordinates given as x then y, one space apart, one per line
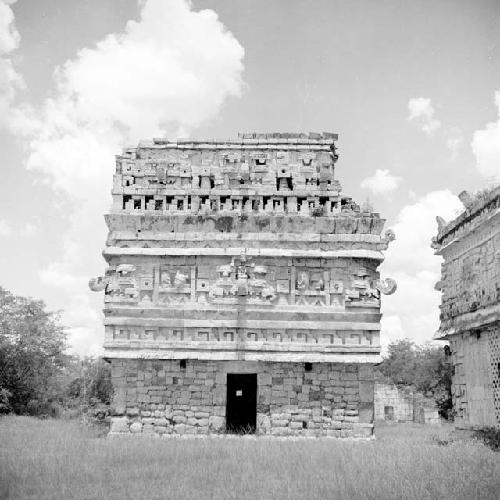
347 356
263 236
472 215
110 252
242 323
483 317
245 140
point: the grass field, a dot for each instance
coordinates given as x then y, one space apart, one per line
62 459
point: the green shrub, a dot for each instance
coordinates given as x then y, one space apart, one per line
5 395
490 436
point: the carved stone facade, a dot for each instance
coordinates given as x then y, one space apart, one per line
241 257
470 307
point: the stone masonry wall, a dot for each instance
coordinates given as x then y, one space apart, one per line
476 376
400 401
404 405
161 397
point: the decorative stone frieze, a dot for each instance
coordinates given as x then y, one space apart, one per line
241 253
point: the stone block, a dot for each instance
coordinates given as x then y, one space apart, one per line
263 423
334 433
217 423
365 373
280 431
351 419
366 412
132 412
119 425
279 422
180 428
201 414
148 429
136 427
364 432
366 391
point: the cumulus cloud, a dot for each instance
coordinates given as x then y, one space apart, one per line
165 74
422 112
381 182
413 311
486 147
454 142
6 229
9 36
10 80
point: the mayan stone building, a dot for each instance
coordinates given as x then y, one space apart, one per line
470 308
242 292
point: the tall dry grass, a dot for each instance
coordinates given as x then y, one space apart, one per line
60 459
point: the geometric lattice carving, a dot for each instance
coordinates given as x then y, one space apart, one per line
494 352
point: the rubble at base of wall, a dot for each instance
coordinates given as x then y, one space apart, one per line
122 426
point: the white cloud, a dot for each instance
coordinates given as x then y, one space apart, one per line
454 142
381 182
413 311
422 111
28 230
10 80
5 229
486 147
9 36
165 74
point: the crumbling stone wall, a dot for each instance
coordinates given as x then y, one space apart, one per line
393 404
161 397
399 404
470 308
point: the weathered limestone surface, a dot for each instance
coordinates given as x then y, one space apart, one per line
397 404
159 397
241 250
470 308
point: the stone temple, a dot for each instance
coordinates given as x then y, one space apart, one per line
470 307
242 293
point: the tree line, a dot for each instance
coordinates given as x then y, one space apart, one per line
38 376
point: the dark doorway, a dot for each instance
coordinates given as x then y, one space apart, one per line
389 412
241 406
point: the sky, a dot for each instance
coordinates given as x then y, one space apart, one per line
412 89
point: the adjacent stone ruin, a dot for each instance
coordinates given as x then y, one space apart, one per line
404 404
470 307
242 293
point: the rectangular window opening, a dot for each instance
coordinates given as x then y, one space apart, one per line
126 199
